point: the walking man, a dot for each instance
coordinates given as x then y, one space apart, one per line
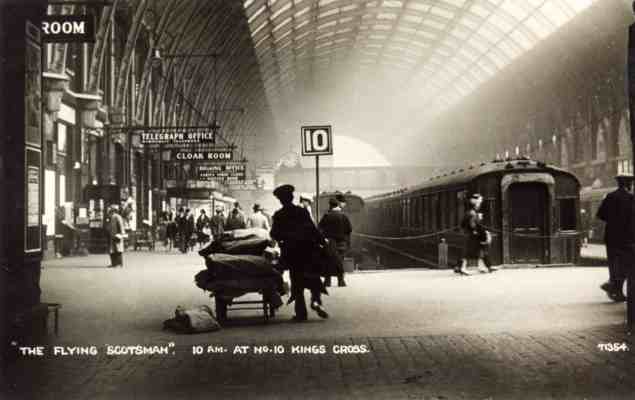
117 236
257 219
298 237
217 224
616 211
336 227
306 203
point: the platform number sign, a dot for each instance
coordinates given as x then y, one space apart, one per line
317 140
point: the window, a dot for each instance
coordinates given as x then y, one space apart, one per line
625 167
567 214
61 138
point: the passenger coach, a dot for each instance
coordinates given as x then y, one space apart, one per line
530 208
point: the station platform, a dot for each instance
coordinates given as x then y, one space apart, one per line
427 334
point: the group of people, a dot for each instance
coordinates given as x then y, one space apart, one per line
181 226
478 239
293 228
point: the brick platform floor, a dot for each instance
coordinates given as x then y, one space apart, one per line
516 334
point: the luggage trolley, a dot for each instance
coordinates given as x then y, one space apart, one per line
225 292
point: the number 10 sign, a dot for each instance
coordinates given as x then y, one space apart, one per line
317 140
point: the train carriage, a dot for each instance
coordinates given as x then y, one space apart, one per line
530 208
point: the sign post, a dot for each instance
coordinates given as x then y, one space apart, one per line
317 141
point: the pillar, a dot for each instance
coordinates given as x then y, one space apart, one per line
23 317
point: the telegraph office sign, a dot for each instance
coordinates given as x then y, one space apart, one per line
317 140
68 28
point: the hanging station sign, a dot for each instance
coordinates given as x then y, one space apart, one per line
226 173
176 136
189 155
68 28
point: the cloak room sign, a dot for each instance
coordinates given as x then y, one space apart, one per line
68 28
201 155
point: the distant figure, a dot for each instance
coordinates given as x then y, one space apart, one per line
202 228
217 224
190 228
298 237
117 236
616 211
257 219
235 220
171 229
306 203
336 226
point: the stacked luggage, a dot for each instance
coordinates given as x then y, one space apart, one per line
238 263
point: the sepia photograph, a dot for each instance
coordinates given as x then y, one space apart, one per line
317 199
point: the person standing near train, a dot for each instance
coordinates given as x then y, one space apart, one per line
477 243
336 227
616 211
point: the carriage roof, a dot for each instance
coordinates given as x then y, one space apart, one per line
465 175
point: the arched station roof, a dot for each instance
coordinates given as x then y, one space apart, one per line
288 62
441 50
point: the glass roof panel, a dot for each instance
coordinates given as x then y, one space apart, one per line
392 3
515 8
328 12
580 5
442 12
302 11
539 29
418 6
451 46
281 10
554 13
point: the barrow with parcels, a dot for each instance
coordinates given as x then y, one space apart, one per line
237 265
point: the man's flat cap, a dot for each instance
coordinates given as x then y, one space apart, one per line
340 197
333 202
283 190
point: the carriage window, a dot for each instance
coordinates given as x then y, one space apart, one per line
486 211
567 214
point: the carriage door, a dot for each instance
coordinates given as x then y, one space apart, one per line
528 206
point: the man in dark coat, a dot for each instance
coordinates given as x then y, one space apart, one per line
298 237
616 211
336 227
117 236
